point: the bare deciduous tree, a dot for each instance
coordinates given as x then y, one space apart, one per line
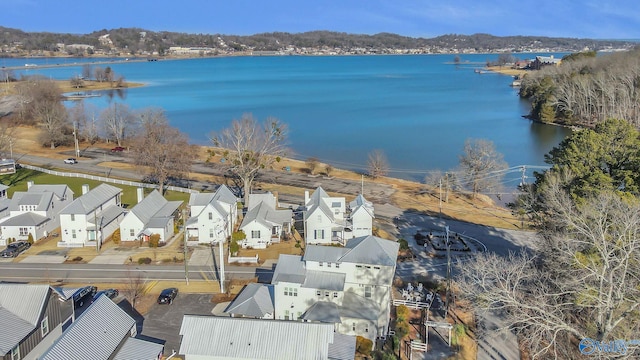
134 287
53 118
117 119
162 148
41 104
85 118
7 139
312 165
251 146
582 282
482 166
377 164
86 71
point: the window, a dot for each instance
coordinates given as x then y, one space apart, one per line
335 204
353 327
210 216
358 266
328 264
367 291
73 217
366 329
318 234
132 232
326 293
24 231
377 267
286 314
255 234
335 294
44 326
211 233
73 233
320 263
295 291
337 265
15 353
318 293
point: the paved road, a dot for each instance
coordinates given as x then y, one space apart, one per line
113 273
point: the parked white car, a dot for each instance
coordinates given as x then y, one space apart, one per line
70 161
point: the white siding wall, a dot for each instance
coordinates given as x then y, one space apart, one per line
317 222
362 223
130 222
258 243
78 227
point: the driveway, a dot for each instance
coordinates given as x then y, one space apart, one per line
164 321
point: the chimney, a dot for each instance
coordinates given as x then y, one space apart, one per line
140 193
85 189
306 197
29 184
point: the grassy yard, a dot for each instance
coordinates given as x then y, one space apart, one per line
18 182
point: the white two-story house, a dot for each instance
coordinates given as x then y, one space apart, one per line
327 220
263 224
35 211
92 217
212 215
152 215
349 286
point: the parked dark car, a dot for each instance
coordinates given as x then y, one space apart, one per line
117 149
84 294
110 293
14 249
167 296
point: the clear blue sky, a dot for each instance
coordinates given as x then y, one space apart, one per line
600 19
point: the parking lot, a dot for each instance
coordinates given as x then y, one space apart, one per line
163 321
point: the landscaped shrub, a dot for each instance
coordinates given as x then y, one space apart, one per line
154 240
404 245
238 235
30 239
363 345
144 260
77 258
116 236
402 329
402 313
234 247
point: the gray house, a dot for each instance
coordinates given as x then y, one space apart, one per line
30 318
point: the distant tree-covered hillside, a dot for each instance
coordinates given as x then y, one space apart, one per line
134 40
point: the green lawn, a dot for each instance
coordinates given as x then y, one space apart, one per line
18 182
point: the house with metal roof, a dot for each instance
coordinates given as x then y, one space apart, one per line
253 301
92 217
30 318
348 286
263 224
103 331
152 215
35 211
327 219
212 215
3 191
211 337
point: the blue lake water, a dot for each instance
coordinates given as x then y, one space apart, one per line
418 109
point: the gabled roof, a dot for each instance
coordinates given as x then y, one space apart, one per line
60 190
290 268
105 217
148 207
200 199
343 347
323 311
88 202
255 199
21 306
41 200
25 219
361 250
318 195
371 250
3 187
324 280
154 210
255 300
225 195
360 204
243 338
139 349
95 335
267 216
4 204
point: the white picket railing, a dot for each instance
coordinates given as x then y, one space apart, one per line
411 304
243 259
108 180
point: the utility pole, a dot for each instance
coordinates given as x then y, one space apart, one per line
184 228
447 300
75 140
440 199
523 181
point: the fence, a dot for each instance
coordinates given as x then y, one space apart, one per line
412 304
108 180
244 259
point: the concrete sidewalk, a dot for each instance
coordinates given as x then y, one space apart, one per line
111 257
44 259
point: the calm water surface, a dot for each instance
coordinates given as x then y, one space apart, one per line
418 109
